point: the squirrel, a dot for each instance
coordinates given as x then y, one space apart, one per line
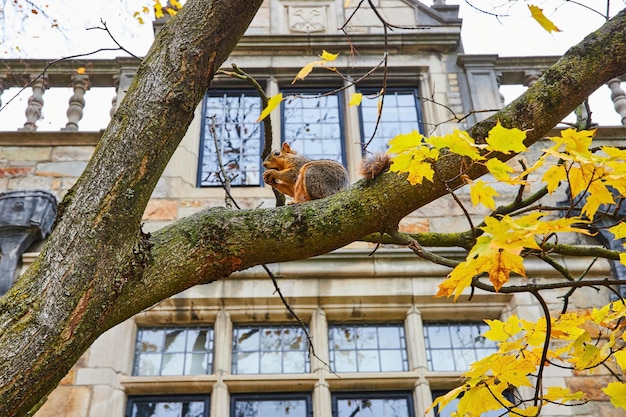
304 179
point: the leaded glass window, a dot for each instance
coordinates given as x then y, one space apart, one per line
375 404
312 125
454 346
180 406
231 118
274 405
270 350
367 348
400 115
173 351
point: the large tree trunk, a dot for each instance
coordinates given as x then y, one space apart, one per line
97 268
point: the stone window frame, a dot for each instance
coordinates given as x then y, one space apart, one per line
282 352
375 146
306 397
453 349
372 395
350 119
133 400
222 384
209 352
206 140
376 326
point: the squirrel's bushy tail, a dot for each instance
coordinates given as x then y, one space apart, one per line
374 165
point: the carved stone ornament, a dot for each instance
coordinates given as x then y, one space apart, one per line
25 217
307 19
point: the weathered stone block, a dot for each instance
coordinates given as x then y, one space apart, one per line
14 153
12 172
60 169
66 401
72 153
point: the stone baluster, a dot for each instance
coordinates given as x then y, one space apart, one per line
619 98
1 89
499 82
80 84
35 103
116 84
530 77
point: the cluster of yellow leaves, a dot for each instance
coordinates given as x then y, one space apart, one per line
583 340
415 154
587 172
172 7
499 250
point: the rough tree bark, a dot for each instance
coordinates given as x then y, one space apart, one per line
97 268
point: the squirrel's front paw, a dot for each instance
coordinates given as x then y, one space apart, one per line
268 177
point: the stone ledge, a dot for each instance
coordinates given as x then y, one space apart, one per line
50 138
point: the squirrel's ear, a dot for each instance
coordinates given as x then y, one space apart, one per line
286 147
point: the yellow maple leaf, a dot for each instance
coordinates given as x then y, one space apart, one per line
553 177
562 395
585 356
620 358
619 230
420 170
405 142
617 393
306 70
458 280
81 70
481 399
499 169
545 23
482 193
622 258
176 4
499 331
158 9
272 103
458 142
503 263
513 370
412 156
355 99
442 401
501 139
328 56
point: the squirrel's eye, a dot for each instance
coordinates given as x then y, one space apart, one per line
276 153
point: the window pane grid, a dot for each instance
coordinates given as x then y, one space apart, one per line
367 348
173 351
271 405
269 350
168 407
454 346
400 115
374 404
233 116
312 125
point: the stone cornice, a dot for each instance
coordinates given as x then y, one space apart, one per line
435 39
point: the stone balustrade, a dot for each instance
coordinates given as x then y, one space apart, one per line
38 76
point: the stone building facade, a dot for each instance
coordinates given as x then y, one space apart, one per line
382 344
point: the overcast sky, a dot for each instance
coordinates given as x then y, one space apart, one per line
511 33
